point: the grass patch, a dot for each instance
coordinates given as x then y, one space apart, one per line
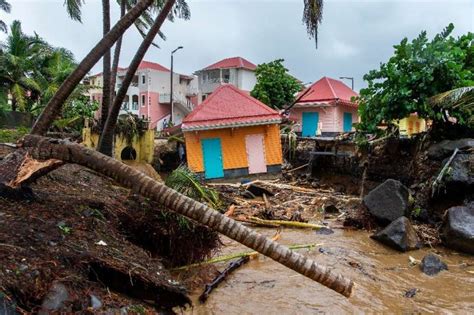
13 135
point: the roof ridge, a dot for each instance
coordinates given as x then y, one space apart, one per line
330 86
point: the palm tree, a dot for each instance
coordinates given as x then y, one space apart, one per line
107 135
18 58
457 103
45 148
117 51
6 7
106 62
312 17
53 108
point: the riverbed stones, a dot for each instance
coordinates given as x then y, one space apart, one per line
461 170
399 235
388 201
54 300
445 148
432 265
458 232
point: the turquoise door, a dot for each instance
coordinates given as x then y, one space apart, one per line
212 154
310 124
347 122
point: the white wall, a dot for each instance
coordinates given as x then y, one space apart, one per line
247 79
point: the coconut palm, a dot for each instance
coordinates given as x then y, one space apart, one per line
6 7
19 54
312 17
107 135
457 103
45 148
53 108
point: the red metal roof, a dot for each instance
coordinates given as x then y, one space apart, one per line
152 65
234 62
228 107
327 90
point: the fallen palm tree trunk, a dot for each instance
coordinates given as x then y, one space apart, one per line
443 172
278 223
44 148
222 276
238 255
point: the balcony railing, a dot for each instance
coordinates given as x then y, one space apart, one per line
178 99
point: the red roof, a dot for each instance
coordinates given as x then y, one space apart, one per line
228 107
234 62
327 90
152 65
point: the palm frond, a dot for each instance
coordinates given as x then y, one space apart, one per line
312 17
3 27
5 6
73 8
457 103
186 182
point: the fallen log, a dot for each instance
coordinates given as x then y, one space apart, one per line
278 223
45 148
441 174
221 277
238 255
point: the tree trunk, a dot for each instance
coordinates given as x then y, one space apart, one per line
46 148
14 104
53 109
106 88
107 135
117 51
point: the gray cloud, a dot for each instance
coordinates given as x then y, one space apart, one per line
355 36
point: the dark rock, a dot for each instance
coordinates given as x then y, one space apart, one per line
458 231
411 293
259 191
324 231
399 235
55 298
445 148
95 303
432 265
388 201
248 195
331 209
460 172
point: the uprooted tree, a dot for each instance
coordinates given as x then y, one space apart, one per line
42 148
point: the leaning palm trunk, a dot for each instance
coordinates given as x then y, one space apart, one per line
106 88
53 108
117 51
107 136
45 148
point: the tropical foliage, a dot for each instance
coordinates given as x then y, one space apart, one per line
417 71
457 103
275 86
6 7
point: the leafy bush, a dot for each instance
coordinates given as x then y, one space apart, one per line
12 135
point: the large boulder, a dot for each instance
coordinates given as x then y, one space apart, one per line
458 232
399 235
388 201
461 173
432 265
445 148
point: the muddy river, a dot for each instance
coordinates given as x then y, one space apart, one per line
382 278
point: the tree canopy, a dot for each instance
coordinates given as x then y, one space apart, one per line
275 86
417 71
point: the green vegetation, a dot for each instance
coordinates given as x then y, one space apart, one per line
12 135
6 7
417 71
186 182
275 86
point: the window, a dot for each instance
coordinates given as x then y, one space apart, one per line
143 100
143 79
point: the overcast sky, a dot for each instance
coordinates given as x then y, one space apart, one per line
355 36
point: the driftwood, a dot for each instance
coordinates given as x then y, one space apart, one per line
222 276
298 168
279 223
443 172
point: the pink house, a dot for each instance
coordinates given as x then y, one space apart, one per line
325 108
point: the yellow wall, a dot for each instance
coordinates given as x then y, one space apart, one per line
234 153
143 145
411 125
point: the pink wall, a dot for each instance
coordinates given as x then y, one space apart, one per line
326 117
332 118
341 109
157 111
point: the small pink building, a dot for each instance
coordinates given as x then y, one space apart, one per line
325 108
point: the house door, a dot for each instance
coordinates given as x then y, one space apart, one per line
310 124
212 154
256 153
347 122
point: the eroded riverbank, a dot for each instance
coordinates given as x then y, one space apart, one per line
382 277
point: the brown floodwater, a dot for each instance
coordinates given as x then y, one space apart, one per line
382 278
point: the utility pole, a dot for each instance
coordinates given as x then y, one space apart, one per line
349 78
171 82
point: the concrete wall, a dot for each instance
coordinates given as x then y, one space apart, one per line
233 146
247 79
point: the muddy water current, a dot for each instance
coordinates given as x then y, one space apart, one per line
382 278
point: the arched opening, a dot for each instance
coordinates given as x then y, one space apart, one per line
128 153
